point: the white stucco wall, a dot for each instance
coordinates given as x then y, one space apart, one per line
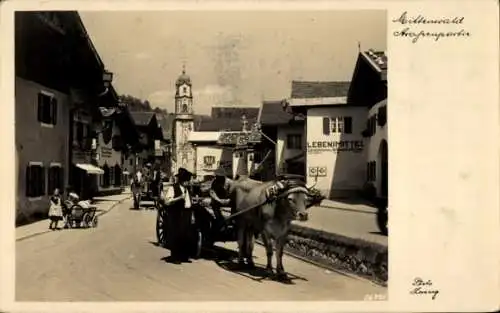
282 153
222 157
344 171
373 144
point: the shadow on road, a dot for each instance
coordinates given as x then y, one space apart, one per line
226 259
257 273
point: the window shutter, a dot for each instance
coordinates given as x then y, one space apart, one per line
40 107
42 181
29 189
53 105
348 125
326 126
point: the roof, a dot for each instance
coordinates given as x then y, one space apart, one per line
205 136
310 89
183 79
219 124
272 113
167 122
377 59
142 118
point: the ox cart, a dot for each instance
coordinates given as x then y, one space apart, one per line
80 215
206 231
143 191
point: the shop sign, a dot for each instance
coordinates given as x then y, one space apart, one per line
208 161
317 171
335 146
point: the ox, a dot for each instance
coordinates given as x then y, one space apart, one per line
266 208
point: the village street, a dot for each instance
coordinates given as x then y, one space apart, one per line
119 261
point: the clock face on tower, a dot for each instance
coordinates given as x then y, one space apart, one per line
184 91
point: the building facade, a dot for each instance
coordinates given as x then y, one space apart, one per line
285 137
149 147
369 88
210 157
335 148
58 75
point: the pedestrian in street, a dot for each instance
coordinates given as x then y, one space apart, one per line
178 204
55 210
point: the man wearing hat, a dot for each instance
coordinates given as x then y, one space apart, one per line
178 202
219 194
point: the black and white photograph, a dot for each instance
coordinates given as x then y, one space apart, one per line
201 155
221 156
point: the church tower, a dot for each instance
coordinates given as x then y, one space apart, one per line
184 123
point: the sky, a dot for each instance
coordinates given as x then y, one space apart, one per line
237 58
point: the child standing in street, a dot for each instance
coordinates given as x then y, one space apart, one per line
55 210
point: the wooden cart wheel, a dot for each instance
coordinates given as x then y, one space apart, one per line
86 219
160 228
95 221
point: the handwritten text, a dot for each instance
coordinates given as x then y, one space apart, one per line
415 34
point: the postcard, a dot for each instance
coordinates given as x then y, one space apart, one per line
277 156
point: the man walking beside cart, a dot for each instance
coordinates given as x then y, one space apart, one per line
177 202
219 195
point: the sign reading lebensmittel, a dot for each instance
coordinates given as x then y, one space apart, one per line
335 146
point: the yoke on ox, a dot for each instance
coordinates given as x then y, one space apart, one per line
267 208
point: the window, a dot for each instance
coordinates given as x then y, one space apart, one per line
47 109
184 89
294 141
35 180
342 125
56 178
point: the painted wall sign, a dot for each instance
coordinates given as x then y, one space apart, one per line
317 171
106 152
342 145
208 161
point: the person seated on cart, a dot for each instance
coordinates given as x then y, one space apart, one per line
178 205
219 195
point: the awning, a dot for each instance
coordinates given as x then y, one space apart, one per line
90 169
